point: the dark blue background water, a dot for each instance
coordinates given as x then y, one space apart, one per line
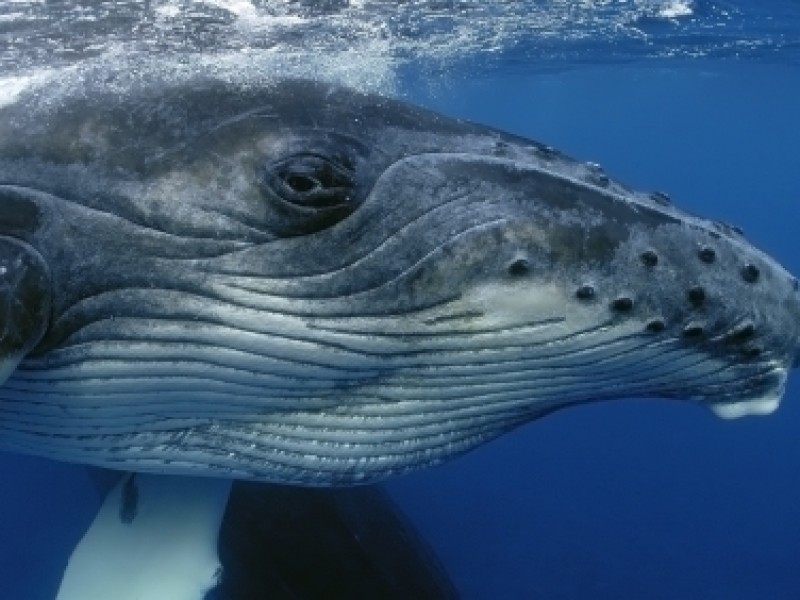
627 500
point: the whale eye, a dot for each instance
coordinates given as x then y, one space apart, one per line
309 191
313 180
301 183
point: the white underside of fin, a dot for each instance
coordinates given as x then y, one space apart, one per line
168 551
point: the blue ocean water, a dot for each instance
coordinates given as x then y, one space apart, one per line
631 499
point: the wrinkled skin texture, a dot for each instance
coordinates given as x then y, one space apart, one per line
294 282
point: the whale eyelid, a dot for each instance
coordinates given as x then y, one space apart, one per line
311 180
313 167
308 191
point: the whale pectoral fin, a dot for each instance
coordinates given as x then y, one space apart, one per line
104 480
154 538
25 298
279 541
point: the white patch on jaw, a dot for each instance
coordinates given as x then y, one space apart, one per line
508 304
523 303
764 405
168 551
492 313
761 406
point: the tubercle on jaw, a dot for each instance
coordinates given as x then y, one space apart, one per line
731 345
703 312
593 174
717 256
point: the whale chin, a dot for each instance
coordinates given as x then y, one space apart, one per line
348 400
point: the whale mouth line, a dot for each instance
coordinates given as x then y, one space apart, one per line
473 329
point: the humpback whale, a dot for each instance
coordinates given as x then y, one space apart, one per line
299 283
290 281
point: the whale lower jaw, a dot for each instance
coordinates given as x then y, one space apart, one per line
332 407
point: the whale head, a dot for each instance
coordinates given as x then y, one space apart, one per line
301 283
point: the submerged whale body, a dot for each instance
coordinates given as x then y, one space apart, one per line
288 542
295 282
182 538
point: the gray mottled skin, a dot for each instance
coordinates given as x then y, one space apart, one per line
296 282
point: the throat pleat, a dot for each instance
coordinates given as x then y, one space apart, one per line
319 405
